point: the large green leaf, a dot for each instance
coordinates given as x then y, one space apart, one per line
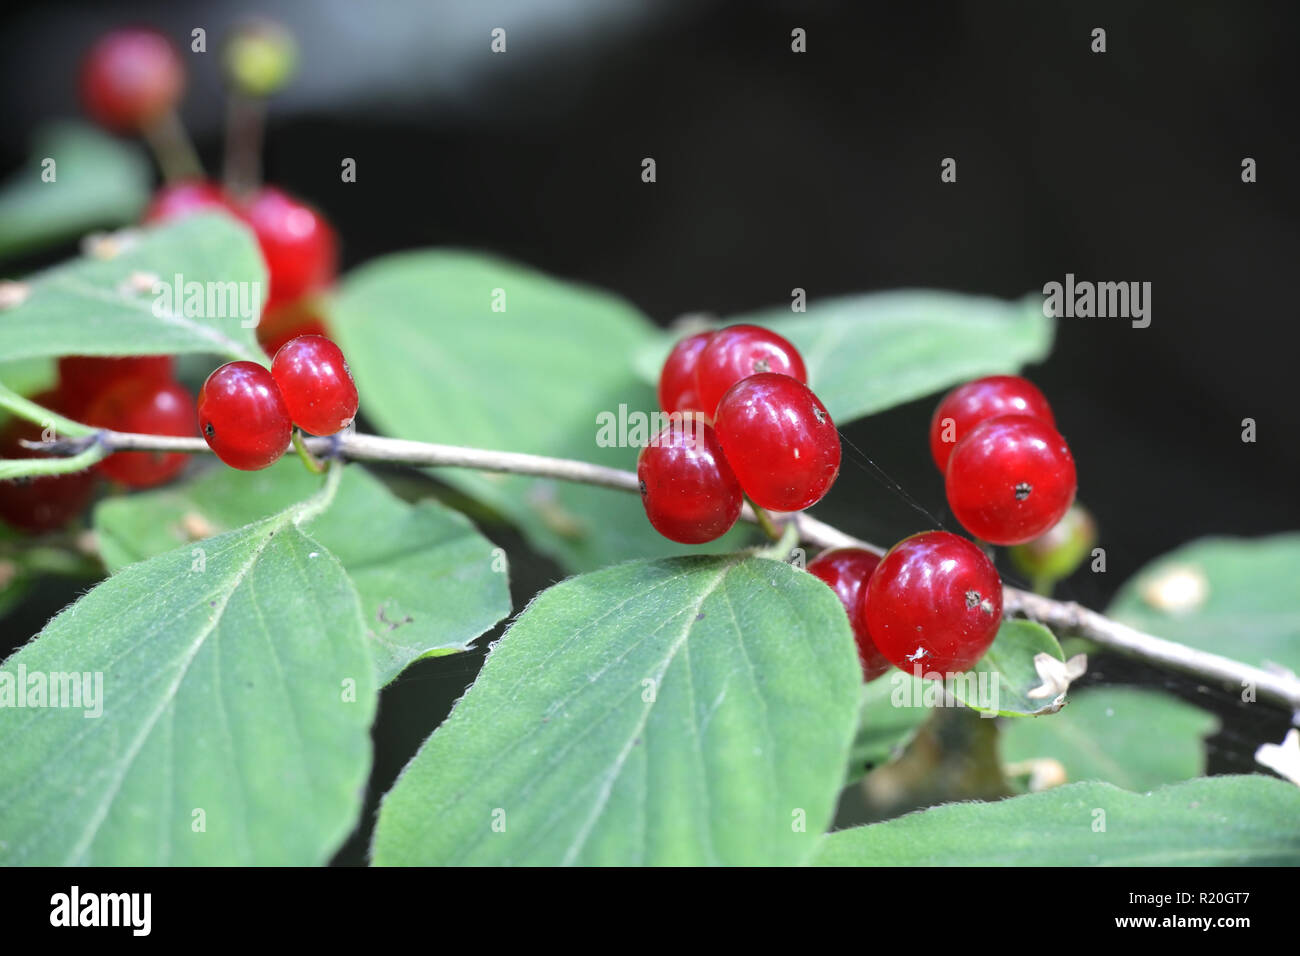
866 353
1134 738
237 697
1211 821
434 362
429 583
98 181
110 306
1232 596
687 710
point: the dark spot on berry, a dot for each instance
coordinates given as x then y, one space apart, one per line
972 598
1022 490
208 430
643 488
762 365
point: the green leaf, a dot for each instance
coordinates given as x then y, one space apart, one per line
99 181
866 353
110 306
236 698
891 713
1001 680
1211 821
1231 596
434 362
682 711
1134 738
429 583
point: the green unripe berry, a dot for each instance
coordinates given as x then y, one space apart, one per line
1057 553
260 57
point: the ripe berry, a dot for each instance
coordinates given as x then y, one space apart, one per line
130 78
1010 479
935 600
677 380
846 571
780 441
316 384
300 248
690 493
738 352
149 408
177 200
242 416
284 322
967 405
83 377
47 503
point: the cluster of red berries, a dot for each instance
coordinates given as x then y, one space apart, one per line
247 413
742 422
130 79
934 601
136 394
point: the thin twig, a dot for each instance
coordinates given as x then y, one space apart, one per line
1061 616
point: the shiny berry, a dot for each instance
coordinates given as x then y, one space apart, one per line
242 416
738 352
1010 479
148 408
288 321
130 78
967 405
846 571
178 200
677 379
49 502
83 377
934 601
316 384
299 246
690 493
779 440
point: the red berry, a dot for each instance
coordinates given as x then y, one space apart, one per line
130 78
284 322
300 248
677 380
780 441
1011 479
967 405
935 600
46 503
149 408
177 200
738 352
689 492
83 377
846 571
316 384
242 416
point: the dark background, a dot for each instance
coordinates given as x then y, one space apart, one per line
820 170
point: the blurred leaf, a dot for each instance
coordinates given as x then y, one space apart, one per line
429 583
889 717
1136 739
236 692
1231 596
99 181
867 353
1211 821
682 711
106 306
434 362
